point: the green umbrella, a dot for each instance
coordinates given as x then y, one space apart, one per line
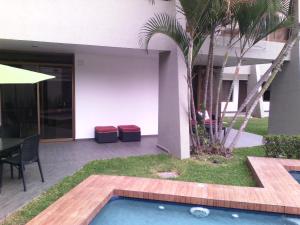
12 75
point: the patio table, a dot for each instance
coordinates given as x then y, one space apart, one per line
7 144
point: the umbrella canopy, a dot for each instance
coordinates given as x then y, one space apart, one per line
12 75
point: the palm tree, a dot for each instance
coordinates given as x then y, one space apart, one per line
279 62
256 20
202 18
270 74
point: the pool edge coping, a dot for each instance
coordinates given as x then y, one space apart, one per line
84 202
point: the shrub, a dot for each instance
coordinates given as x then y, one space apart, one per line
282 146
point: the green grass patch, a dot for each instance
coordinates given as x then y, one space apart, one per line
256 125
206 169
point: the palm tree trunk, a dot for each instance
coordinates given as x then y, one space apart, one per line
211 93
192 109
207 74
235 79
249 113
282 55
212 138
277 66
218 127
199 90
219 123
191 124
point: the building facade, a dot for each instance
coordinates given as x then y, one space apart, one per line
247 79
285 104
103 77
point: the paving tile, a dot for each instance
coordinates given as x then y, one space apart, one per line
63 159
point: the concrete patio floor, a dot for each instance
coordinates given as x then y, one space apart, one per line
246 139
63 159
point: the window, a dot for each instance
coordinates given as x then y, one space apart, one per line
226 88
267 94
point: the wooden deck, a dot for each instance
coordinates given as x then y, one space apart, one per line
278 192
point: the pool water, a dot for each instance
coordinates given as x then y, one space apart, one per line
124 211
296 175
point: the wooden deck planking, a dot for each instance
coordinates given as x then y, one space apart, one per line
279 192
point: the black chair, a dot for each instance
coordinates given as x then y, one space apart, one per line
28 154
10 132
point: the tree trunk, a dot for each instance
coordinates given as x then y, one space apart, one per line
284 52
277 66
211 93
192 109
218 127
207 74
219 123
191 124
235 79
199 90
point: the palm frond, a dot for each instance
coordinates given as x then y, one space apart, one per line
257 19
203 14
198 42
268 25
167 25
201 17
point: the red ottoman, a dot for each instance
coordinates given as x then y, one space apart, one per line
106 134
129 133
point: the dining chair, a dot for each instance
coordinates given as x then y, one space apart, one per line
10 132
28 154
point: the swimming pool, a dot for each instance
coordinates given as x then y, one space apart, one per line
125 211
296 175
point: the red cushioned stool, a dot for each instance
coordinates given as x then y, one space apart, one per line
128 133
106 134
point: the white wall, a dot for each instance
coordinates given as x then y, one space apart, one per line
265 105
232 105
115 90
115 23
262 109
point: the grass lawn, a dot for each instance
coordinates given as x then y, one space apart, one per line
255 125
232 171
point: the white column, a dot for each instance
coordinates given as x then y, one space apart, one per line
173 127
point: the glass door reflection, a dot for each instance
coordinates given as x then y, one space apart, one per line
19 117
56 103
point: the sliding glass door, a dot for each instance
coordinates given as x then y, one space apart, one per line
56 105
19 114
45 108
